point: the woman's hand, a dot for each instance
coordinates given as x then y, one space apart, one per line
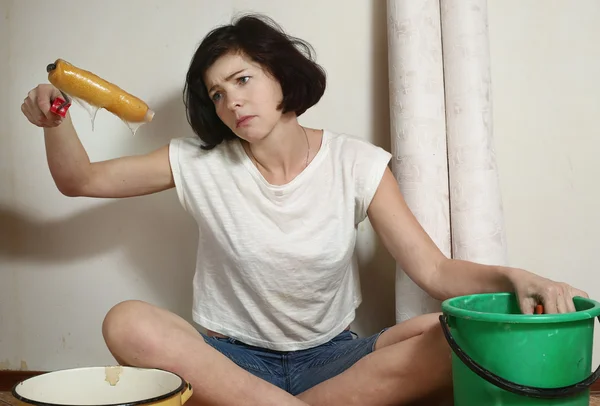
36 106
531 289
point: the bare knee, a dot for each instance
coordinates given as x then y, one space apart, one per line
128 331
434 335
124 319
435 365
431 321
413 327
434 340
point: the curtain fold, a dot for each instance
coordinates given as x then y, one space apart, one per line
441 129
475 199
418 130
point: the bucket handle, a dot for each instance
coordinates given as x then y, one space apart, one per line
523 390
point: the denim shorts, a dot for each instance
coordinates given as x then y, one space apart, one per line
297 371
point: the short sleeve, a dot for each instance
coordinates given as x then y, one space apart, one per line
369 167
175 162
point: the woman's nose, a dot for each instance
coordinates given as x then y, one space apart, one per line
233 101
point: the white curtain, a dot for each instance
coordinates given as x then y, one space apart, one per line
442 138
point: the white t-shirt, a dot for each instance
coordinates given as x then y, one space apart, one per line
276 266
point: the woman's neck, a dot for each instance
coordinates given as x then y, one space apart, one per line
284 153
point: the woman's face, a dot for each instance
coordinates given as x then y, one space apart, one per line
245 96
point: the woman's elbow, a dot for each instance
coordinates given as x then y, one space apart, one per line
69 188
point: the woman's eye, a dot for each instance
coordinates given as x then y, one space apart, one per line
244 79
216 96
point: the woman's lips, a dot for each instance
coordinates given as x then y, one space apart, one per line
244 120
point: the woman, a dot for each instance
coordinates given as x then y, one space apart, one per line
278 206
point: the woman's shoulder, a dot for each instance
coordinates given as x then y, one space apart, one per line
350 145
191 148
195 143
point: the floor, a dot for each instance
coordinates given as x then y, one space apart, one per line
7 400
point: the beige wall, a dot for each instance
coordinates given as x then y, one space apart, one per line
545 73
545 66
64 262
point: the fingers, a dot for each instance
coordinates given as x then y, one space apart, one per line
35 116
561 301
577 292
570 293
564 299
27 114
43 104
527 305
550 305
36 108
33 108
570 304
558 298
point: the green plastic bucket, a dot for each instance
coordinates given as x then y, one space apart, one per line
503 357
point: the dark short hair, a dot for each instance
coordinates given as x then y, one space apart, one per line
286 58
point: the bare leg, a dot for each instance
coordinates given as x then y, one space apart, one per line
142 335
410 365
405 330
